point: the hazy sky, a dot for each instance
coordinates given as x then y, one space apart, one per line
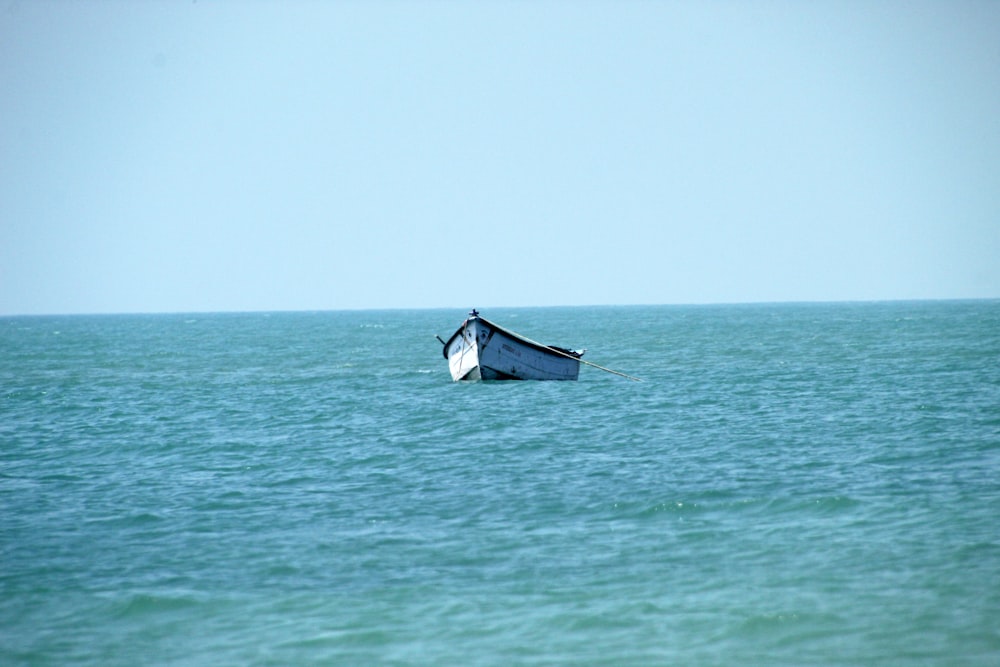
193 156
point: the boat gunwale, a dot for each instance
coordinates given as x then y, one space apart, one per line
549 349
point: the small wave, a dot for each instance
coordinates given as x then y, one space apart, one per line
119 521
140 604
791 627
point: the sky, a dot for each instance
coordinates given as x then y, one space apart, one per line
244 156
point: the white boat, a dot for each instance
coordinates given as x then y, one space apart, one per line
482 350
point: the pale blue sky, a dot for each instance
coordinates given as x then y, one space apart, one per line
207 156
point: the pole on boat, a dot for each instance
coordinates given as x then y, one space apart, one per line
607 370
583 361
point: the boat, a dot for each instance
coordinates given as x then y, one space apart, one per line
483 350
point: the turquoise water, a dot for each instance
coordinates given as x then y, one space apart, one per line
790 485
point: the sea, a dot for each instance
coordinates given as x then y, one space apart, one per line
788 484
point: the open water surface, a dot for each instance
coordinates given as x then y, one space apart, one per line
809 484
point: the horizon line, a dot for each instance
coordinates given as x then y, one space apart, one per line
265 311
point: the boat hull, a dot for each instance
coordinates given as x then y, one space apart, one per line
482 350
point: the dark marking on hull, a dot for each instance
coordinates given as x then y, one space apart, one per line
494 374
